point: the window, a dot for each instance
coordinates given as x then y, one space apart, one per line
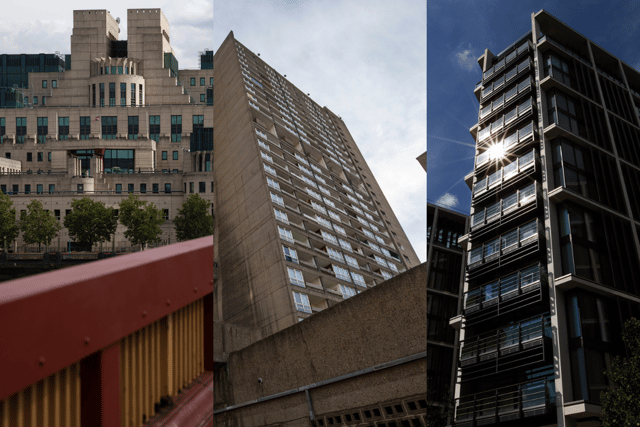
191 187
285 234
202 81
118 188
335 217
27 189
352 261
112 94
63 128
202 187
266 157
113 69
52 188
346 291
133 128
198 122
43 129
21 129
277 199
165 214
565 112
269 169
3 129
44 84
273 183
123 94
54 83
130 188
323 221
39 189
281 216
202 97
193 81
386 275
29 157
120 70
167 187
345 245
15 189
143 188
328 237
335 255
358 279
176 128
109 127
175 155
164 155
85 127
155 188
133 94
40 156
341 273
290 254
302 302
35 100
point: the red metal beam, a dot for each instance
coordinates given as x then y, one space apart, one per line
52 320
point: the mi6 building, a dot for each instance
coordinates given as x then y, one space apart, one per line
113 117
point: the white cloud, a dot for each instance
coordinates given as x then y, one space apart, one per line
448 200
466 59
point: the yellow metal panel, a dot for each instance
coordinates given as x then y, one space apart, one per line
46 396
57 395
152 366
33 405
67 396
139 379
20 409
132 380
77 396
147 379
169 348
125 396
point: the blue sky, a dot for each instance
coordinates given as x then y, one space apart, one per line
458 31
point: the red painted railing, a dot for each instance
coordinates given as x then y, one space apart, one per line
65 335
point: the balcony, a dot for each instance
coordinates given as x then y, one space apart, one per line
504 178
514 346
515 402
515 291
500 65
507 145
503 212
505 100
504 249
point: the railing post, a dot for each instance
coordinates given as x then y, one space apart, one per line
100 388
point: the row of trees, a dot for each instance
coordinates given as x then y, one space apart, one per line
91 222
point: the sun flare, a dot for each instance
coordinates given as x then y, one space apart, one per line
496 151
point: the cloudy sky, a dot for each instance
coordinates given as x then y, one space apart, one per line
363 59
458 31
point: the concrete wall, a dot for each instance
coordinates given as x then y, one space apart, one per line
381 325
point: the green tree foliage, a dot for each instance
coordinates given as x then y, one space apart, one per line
620 406
193 219
142 220
37 225
438 413
9 228
90 221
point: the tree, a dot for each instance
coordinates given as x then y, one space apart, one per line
9 228
193 220
90 222
37 225
438 413
141 219
620 404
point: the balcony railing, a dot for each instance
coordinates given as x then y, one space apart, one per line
507 348
532 398
505 173
129 331
503 124
500 83
506 243
499 66
501 208
503 99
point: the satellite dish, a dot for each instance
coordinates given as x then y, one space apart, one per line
118 19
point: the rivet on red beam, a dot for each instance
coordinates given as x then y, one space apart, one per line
168 302
41 361
195 290
144 313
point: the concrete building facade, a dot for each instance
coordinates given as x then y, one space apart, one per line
553 248
301 222
369 371
119 118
